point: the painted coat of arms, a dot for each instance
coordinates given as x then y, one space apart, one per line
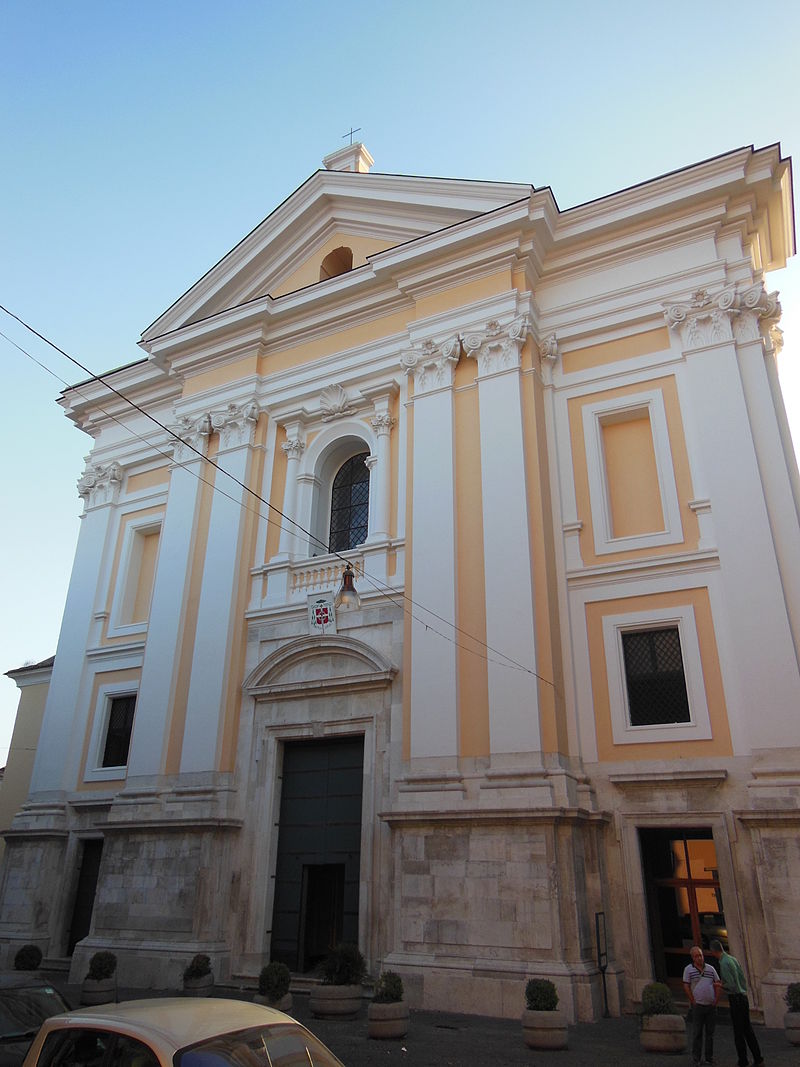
321 614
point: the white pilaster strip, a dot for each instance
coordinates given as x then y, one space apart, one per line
513 697
434 688
64 726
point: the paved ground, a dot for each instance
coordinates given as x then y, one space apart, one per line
439 1039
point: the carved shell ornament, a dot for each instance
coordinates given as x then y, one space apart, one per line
334 403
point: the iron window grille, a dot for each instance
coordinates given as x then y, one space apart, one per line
655 677
350 505
118 732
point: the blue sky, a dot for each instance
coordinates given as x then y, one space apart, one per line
142 140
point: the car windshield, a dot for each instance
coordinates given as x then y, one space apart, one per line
277 1045
24 1010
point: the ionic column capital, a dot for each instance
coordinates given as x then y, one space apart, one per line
498 347
432 365
735 313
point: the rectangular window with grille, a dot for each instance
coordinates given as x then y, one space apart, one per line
118 732
654 677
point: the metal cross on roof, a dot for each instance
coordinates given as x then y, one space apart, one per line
350 133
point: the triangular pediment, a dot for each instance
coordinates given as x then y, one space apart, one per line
368 213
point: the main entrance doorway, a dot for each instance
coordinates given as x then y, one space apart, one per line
684 899
319 850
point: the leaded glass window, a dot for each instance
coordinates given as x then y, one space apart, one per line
350 505
654 677
118 733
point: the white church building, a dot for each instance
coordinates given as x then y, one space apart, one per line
555 729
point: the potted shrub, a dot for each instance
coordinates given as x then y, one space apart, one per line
543 1025
387 1015
273 986
27 958
663 1030
339 996
791 1019
197 978
100 984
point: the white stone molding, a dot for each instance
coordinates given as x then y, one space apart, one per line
498 348
432 366
733 314
293 448
334 403
100 485
380 473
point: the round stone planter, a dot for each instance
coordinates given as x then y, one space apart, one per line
99 990
198 987
387 1020
335 1001
282 1003
791 1024
663 1033
544 1029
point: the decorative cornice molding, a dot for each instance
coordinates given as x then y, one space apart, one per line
432 366
498 348
334 403
100 485
733 314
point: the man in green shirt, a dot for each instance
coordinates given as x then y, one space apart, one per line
734 984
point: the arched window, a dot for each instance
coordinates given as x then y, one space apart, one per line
350 504
339 261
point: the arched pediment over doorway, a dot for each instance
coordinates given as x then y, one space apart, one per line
319 665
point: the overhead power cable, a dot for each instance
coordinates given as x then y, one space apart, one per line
392 595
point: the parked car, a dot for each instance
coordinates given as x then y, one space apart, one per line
171 1032
25 1003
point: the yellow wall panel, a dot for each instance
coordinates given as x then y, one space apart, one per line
632 477
720 741
473 681
640 344
680 464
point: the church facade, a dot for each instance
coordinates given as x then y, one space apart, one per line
557 732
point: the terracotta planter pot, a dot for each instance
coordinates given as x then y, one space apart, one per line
544 1029
791 1023
198 987
335 1001
99 990
282 1003
663 1033
387 1020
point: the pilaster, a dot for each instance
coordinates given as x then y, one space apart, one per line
434 699
513 700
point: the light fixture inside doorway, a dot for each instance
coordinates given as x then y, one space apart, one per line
347 599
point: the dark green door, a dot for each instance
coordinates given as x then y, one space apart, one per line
319 850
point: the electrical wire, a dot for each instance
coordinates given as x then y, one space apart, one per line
395 597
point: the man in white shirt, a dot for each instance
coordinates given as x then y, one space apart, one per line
702 986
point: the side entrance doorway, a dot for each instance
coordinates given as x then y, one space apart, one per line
684 899
317 872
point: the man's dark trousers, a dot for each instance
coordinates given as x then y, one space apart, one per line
743 1035
704 1017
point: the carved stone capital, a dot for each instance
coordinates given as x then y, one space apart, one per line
498 348
548 348
293 447
235 424
100 485
382 423
432 366
334 403
733 314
